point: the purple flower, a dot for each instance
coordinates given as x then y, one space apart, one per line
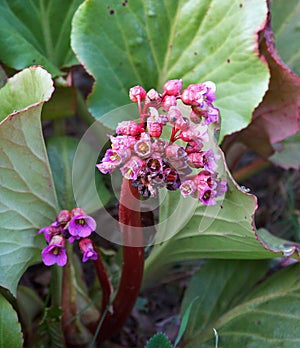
55 252
210 93
207 196
51 230
87 248
81 226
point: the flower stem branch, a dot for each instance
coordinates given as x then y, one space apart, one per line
105 283
133 262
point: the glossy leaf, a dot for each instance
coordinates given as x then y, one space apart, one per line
285 24
245 309
61 151
27 197
287 153
190 230
129 43
37 33
10 328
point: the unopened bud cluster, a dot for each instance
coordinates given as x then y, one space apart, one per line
69 225
152 162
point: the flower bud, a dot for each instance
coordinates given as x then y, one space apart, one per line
137 93
173 87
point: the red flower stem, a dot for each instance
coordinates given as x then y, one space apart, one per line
133 262
104 282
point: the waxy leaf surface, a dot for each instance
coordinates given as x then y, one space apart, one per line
149 42
189 230
285 24
37 32
27 197
10 328
245 308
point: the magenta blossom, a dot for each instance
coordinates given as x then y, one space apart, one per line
165 148
55 252
81 225
51 230
87 248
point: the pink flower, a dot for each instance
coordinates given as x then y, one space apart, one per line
122 141
153 97
143 147
154 127
131 168
55 252
169 101
187 188
81 225
173 87
52 230
106 167
137 93
204 159
87 248
175 152
129 128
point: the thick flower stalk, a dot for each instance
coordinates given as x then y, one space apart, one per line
182 161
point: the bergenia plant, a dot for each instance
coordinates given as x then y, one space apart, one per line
151 161
149 173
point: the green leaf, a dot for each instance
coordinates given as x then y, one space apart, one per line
159 340
10 328
276 244
37 32
90 191
189 230
285 24
61 151
287 153
50 328
129 43
27 197
3 77
245 309
184 322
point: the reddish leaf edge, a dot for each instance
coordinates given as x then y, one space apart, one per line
31 106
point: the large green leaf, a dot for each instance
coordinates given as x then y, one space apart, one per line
37 32
244 310
27 198
61 151
148 42
285 23
10 328
189 230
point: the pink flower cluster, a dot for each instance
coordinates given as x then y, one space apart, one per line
74 225
152 162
